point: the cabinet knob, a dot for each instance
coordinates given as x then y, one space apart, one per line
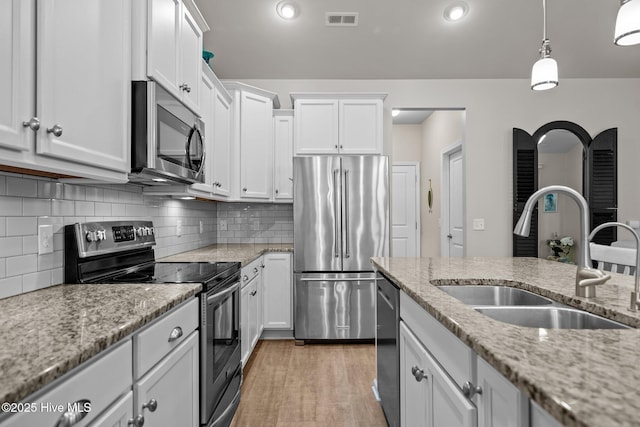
244 189
418 374
33 124
56 130
255 269
151 405
253 294
138 421
187 89
341 146
336 146
77 411
469 390
276 191
245 277
175 334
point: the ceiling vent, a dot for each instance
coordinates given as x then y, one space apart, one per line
341 19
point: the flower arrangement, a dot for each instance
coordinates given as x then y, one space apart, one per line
562 248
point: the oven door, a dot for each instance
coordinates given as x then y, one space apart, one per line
219 345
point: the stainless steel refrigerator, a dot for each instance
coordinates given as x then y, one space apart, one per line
341 220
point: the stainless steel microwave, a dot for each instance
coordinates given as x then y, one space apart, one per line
167 139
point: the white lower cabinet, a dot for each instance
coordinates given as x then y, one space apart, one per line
168 394
119 414
443 381
250 307
541 418
428 396
277 291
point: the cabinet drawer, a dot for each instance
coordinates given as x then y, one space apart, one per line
250 271
454 356
99 383
152 344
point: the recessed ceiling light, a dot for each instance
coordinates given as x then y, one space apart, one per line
394 113
456 11
287 10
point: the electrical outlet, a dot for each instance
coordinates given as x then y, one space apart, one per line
223 225
478 224
201 227
45 239
179 228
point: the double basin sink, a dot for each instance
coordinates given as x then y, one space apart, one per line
524 308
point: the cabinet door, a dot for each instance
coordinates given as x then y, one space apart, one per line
501 404
316 126
277 291
190 60
16 73
222 145
245 340
283 157
254 315
163 40
361 126
118 414
207 96
174 384
439 400
84 81
256 146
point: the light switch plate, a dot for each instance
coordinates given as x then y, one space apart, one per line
478 224
201 227
45 239
179 228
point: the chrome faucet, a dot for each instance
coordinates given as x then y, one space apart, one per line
587 277
635 295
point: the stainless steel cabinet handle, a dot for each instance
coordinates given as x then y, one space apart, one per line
33 124
138 421
71 418
469 390
56 130
151 405
175 334
336 177
418 374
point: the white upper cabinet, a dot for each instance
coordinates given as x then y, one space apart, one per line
252 141
283 155
79 123
174 48
207 95
338 123
222 142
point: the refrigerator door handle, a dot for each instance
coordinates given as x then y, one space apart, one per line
346 214
346 279
336 205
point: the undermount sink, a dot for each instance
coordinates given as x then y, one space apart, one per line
549 318
494 295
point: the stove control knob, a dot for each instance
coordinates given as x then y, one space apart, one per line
91 236
148 231
101 235
140 231
151 231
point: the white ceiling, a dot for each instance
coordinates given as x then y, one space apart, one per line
405 39
558 141
413 116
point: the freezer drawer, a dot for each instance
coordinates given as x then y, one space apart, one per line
334 306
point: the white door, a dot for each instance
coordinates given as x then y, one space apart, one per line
405 207
453 215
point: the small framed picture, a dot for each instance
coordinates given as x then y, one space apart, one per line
551 202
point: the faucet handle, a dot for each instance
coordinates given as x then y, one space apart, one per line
587 279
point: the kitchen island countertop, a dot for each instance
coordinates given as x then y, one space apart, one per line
48 332
581 377
241 252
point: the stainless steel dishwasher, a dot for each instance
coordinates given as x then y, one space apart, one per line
387 348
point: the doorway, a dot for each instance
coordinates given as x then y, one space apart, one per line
405 209
453 218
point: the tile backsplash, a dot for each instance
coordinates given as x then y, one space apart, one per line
26 202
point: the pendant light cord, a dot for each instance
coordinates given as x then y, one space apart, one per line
544 20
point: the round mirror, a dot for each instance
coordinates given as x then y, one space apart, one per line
560 157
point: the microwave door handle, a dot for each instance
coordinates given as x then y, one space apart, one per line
187 148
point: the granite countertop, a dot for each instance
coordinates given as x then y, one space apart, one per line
48 332
244 253
581 377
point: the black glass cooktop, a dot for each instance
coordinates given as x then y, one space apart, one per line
178 272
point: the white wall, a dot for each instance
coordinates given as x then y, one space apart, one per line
493 108
407 143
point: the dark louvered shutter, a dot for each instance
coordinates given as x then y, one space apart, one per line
603 185
525 183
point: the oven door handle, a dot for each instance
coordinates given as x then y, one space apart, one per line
229 290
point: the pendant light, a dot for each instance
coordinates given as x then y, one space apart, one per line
627 31
544 74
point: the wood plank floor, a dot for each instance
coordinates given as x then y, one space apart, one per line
314 385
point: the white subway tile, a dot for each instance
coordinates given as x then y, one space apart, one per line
57 276
58 242
22 187
36 207
10 206
19 265
3 269
103 209
3 185
3 226
85 208
22 226
35 281
110 195
29 245
62 207
118 210
94 194
10 286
